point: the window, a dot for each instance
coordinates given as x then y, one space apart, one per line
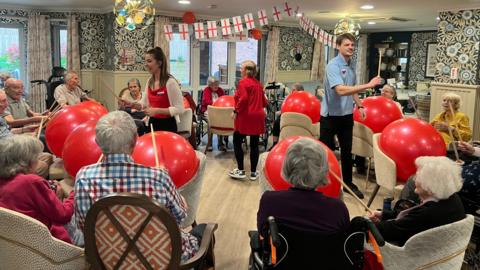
213 61
245 51
180 59
60 46
11 51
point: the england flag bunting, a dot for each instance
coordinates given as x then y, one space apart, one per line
199 30
249 22
237 24
167 29
287 9
183 30
212 29
225 25
310 28
334 42
315 32
262 17
277 15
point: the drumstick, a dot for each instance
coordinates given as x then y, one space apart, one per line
413 106
40 128
351 192
157 162
454 146
100 158
455 122
52 106
380 52
110 90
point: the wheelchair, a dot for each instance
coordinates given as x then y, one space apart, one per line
53 81
286 247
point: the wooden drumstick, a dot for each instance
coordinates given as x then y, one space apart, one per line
52 106
380 52
40 128
100 158
157 162
455 122
413 106
110 90
351 192
454 146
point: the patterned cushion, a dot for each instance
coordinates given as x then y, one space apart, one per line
154 242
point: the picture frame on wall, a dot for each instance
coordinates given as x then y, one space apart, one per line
431 60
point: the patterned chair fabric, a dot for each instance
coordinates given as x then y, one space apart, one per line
26 243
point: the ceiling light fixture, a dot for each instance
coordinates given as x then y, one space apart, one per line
184 2
438 18
134 14
347 25
372 23
367 7
299 14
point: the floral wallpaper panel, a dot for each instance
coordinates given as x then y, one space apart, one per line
418 53
92 36
458 46
140 40
290 39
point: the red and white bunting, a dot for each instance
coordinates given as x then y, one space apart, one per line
310 28
167 29
262 17
331 40
249 22
315 32
199 30
334 42
327 40
212 29
237 24
301 22
277 15
225 24
183 30
287 9
241 36
307 23
297 10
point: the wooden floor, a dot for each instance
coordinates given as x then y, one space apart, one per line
233 206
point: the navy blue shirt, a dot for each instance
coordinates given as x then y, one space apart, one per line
303 209
338 72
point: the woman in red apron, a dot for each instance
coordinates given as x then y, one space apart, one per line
249 115
162 100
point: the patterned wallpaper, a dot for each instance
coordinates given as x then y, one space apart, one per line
458 46
418 54
92 35
289 38
140 40
109 41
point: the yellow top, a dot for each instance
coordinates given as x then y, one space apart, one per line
460 119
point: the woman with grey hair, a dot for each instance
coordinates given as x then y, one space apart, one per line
132 94
437 181
25 192
210 94
305 167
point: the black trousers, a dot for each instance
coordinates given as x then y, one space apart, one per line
342 126
163 124
254 153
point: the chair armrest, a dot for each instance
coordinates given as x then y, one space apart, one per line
207 239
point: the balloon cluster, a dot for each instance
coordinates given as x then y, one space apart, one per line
302 102
379 111
274 164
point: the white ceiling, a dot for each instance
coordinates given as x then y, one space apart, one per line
423 13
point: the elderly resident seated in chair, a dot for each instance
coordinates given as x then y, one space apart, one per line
210 94
133 94
116 134
437 182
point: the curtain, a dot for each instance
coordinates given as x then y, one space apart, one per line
39 59
318 62
271 58
160 39
73 44
361 59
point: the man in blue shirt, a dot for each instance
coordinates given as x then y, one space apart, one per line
337 104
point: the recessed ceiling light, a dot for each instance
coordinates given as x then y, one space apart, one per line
366 7
184 2
372 23
299 14
438 18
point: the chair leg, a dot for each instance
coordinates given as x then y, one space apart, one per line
368 172
375 191
209 143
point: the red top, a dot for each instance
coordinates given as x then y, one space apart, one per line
207 97
31 195
159 99
250 102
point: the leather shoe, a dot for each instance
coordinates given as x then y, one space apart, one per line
355 190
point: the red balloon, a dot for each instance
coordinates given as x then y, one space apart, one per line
380 112
80 148
94 106
274 163
256 34
188 17
407 139
174 152
302 102
186 103
63 123
224 101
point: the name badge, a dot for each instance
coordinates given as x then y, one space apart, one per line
343 73
160 93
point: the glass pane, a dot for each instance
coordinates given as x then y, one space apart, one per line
10 52
245 51
63 48
213 61
180 59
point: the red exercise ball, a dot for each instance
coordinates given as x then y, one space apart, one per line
174 152
188 17
407 139
224 101
186 103
380 112
80 148
94 106
274 164
303 102
256 34
64 123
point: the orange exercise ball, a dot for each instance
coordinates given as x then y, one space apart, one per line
303 102
274 164
380 112
174 152
407 139
188 17
224 101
